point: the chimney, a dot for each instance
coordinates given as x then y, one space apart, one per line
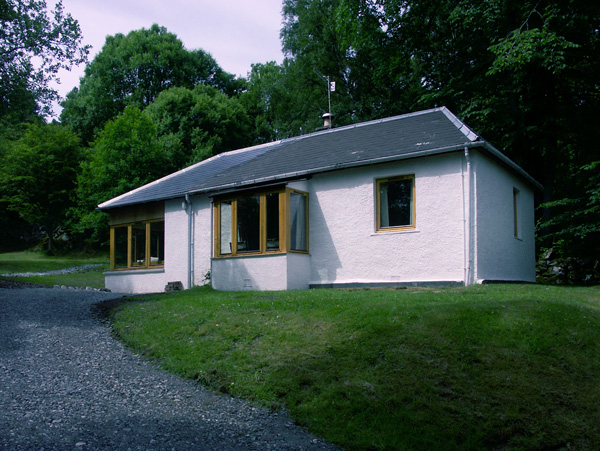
327 120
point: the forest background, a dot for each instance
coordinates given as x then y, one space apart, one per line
523 74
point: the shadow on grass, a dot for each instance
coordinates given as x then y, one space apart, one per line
105 310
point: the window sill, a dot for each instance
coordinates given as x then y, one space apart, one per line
156 270
257 254
394 232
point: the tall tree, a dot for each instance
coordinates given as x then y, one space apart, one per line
131 70
124 156
34 46
314 50
194 124
38 176
346 40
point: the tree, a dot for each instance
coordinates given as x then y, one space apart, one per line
124 156
574 227
194 124
347 41
34 46
267 100
313 50
132 70
39 174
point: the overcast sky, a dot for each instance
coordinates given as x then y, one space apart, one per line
237 33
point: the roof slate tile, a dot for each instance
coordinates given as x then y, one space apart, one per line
355 145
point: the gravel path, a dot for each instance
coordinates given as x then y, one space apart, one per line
70 270
65 383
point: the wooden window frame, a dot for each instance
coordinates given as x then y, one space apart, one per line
147 258
284 224
413 213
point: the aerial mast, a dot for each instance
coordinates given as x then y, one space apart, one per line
330 88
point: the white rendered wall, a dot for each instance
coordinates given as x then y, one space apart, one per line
202 244
135 281
499 254
345 247
176 242
264 272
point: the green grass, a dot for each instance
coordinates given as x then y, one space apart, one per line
21 262
17 262
484 367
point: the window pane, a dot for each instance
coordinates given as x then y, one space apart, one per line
157 243
272 221
120 247
248 224
515 211
298 241
138 244
225 232
395 197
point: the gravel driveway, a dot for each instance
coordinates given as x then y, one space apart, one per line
65 383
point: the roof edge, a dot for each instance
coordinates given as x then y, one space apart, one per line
514 166
462 127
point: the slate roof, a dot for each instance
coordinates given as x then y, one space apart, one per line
407 136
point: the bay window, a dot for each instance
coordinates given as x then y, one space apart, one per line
261 223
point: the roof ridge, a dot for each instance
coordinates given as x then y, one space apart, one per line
366 123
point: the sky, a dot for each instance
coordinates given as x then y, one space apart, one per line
237 33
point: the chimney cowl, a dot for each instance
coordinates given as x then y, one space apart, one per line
327 120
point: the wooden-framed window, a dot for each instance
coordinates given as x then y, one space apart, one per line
137 245
395 203
261 223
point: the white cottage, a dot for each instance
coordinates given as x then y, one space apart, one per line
412 199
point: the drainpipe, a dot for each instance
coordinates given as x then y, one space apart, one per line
468 221
212 239
188 203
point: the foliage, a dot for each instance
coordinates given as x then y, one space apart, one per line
132 70
482 367
124 156
194 124
39 175
574 226
34 46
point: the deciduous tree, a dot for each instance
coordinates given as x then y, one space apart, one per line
124 156
34 46
131 70
194 124
38 175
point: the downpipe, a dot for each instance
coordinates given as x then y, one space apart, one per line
189 211
468 222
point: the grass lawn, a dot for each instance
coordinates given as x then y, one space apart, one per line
484 367
21 262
